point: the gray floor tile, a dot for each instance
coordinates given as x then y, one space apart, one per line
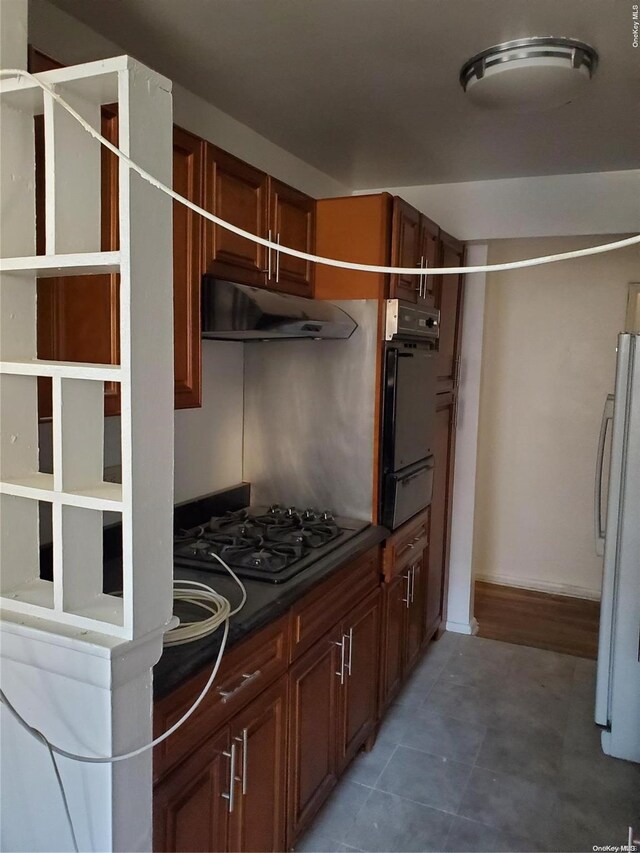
595 775
476 705
533 704
428 779
594 820
469 836
339 813
397 719
367 766
474 670
533 753
317 841
418 688
389 823
511 804
441 735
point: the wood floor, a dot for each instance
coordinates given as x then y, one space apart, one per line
555 622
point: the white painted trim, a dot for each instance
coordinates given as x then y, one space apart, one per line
52 266
540 586
468 628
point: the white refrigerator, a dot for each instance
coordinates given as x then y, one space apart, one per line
618 540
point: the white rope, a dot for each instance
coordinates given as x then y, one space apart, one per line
295 253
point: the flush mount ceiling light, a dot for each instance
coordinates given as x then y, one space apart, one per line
529 74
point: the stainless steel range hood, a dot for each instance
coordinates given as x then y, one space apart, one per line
237 312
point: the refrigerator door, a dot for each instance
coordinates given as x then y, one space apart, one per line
618 674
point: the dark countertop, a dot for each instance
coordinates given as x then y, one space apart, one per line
265 603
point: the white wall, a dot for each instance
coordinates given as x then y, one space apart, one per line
208 441
548 363
593 203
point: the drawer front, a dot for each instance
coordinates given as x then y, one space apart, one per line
405 545
318 612
245 672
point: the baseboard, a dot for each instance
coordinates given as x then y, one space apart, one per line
539 586
463 627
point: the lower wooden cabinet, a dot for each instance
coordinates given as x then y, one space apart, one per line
229 794
313 729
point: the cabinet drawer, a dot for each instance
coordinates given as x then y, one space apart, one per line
245 671
318 612
405 544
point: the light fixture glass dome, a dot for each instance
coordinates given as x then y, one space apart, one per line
529 74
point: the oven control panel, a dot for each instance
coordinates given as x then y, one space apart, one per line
405 320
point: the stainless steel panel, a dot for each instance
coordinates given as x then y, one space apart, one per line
309 419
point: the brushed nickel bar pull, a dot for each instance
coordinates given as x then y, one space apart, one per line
244 740
407 577
269 259
225 695
231 796
341 672
278 258
413 582
350 651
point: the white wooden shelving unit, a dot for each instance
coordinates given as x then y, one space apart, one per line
76 489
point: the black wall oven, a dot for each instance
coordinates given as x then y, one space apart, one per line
409 407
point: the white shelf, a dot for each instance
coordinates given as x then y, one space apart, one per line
102 496
54 266
63 369
34 593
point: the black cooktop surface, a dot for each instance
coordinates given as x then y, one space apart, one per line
270 544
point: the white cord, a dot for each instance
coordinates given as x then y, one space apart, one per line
317 259
113 758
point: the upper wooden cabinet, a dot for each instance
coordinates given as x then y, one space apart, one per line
250 199
405 250
239 194
376 229
448 298
78 317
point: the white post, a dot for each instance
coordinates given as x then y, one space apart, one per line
460 602
77 664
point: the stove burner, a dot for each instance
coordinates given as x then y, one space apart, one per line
271 543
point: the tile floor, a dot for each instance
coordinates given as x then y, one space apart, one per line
490 747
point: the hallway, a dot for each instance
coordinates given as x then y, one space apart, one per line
490 747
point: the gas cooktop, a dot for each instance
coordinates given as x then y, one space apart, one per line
270 544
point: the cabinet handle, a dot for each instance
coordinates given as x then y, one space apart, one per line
231 796
419 287
244 740
225 695
269 259
278 258
407 600
350 651
413 582
341 672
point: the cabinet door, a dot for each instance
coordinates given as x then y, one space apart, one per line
393 637
237 193
314 684
405 250
430 251
189 811
415 614
440 512
188 180
258 820
359 702
292 224
449 293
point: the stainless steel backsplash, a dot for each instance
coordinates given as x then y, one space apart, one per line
309 419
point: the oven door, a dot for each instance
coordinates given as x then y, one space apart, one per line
407 492
409 422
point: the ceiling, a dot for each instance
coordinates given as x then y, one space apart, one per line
367 90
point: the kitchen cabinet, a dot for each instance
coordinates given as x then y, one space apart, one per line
189 811
313 729
292 223
229 795
255 202
78 317
440 527
405 250
430 250
359 706
448 298
405 562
